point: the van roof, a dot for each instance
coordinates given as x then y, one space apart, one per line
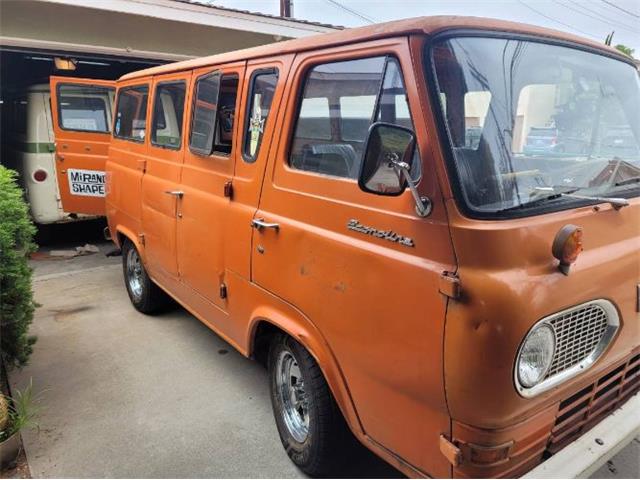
420 25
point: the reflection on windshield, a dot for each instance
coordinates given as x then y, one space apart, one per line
523 115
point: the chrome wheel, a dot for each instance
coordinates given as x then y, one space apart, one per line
134 273
290 389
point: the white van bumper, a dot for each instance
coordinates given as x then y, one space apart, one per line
584 456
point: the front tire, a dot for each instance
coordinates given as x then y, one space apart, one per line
145 295
311 427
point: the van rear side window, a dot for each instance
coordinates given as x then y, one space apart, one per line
263 85
84 109
204 113
168 110
214 110
223 140
131 113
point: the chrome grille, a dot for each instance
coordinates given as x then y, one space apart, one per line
586 408
578 333
582 334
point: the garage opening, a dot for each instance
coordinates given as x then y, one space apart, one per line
23 70
28 131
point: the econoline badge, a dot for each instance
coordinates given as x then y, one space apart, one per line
389 235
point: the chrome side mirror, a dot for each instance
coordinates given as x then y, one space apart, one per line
386 164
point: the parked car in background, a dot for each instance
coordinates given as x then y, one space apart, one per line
548 140
463 310
542 140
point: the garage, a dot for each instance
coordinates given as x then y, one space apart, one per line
100 41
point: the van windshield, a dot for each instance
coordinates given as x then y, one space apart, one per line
528 121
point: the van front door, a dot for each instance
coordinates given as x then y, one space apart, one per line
81 111
363 268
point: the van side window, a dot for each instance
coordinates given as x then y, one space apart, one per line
340 101
168 109
84 109
223 139
204 113
334 116
355 116
213 114
263 85
393 107
131 113
314 121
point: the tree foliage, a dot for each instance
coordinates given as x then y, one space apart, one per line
628 51
16 297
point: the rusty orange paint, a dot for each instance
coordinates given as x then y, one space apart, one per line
78 150
417 345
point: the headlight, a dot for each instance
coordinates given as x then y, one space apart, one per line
536 355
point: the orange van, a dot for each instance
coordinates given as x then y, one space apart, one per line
63 181
428 230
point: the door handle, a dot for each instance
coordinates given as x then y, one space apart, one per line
175 193
259 224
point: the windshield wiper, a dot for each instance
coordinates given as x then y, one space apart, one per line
627 181
616 203
532 203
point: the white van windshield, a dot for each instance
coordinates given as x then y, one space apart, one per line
528 121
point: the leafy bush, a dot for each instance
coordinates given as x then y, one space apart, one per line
16 298
4 414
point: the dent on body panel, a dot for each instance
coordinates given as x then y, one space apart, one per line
511 283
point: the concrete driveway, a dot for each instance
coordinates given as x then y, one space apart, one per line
128 395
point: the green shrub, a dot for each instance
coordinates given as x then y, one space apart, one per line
22 412
16 298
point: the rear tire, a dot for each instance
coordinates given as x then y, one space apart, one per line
311 426
145 295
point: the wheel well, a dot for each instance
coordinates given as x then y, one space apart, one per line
265 332
121 238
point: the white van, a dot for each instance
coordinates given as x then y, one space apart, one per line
63 178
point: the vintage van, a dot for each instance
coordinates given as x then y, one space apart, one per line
464 308
60 155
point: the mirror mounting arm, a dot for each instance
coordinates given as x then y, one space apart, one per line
423 204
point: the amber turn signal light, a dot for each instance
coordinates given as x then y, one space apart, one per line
567 246
489 455
459 453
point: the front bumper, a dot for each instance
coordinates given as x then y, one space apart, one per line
557 432
589 452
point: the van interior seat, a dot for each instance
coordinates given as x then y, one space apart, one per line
337 159
480 184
